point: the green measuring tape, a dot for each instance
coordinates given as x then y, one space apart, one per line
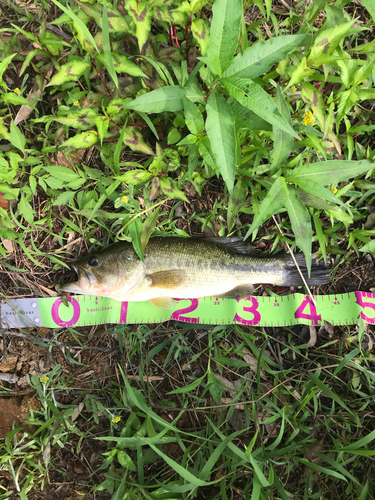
85 310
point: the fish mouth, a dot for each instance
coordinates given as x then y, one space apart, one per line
83 283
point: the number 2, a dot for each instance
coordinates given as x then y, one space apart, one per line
177 315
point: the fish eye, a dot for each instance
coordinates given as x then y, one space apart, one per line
93 261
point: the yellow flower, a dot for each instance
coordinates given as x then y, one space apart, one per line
260 133
334 190
76 103
294 88
17 91
309 118
44 379
124 199
115 420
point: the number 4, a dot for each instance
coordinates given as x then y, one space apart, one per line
313 316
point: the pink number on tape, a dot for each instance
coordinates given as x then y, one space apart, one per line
124 312
371 305
252 310
177 315
313 316
55 312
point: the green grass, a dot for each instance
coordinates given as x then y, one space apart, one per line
127 133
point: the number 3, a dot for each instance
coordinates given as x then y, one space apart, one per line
252 310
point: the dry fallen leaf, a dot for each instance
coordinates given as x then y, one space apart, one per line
8 245
313 336
4 203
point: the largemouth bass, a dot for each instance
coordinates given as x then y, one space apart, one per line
185 268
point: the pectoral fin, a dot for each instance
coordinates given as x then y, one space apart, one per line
163 302
239 292
166 279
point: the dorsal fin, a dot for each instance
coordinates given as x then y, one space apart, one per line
235 244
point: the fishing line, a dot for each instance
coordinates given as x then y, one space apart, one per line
86 310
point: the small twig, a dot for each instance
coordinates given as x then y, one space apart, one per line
141 213
68 245
295 262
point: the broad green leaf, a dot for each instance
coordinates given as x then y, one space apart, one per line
26 210
69 72
274 199
16 137
194 91
236 201
140 12
83 140
108 60
64 174
77 21
313 97
254 97
364 94
346 102
3 66
347 65
204 148
125 461
169 187
301 225
102 123
313 9
135 141
85 38
148 227
331 171
283 141
116 21
134 176
174 135
135 229
221 131
84 118
192 160
369 247
201 34
92 10
300 72
123 65
370 6
311 200
225 32
326 42
260 57
193 117
13 98
4 134
246 118
159 100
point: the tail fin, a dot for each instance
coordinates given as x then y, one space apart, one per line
319 275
